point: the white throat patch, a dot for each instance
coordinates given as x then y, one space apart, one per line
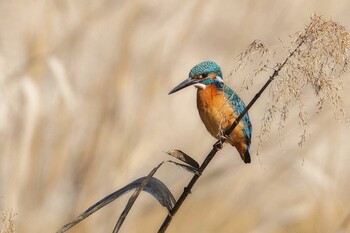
200 86
219 79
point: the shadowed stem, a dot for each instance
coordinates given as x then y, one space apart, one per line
217 147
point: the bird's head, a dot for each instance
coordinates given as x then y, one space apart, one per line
201 75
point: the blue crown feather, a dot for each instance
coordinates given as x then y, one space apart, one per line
205 67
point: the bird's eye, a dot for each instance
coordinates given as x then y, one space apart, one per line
204 75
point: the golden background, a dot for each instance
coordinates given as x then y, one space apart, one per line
84 110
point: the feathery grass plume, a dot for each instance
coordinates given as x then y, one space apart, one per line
256 51
318 63
8 221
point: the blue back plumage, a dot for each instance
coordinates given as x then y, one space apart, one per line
238 107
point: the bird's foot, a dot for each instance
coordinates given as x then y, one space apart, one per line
219 144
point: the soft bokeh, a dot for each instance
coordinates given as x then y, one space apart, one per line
84 110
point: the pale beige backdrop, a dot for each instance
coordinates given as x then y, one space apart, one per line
84 110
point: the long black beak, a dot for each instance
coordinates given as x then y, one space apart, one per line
186 83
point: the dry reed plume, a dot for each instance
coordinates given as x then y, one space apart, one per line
318 64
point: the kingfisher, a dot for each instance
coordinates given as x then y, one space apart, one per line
218 106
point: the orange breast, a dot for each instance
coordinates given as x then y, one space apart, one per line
217 114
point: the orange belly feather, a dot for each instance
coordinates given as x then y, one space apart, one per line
217 115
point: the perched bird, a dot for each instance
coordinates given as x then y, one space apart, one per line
219 106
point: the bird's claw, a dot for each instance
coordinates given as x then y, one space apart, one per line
219 144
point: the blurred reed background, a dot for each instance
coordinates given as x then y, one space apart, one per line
84 110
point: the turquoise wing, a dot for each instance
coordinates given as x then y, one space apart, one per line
238 106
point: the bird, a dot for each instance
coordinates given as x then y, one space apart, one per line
218 106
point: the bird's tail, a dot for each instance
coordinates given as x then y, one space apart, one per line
246 157
243 151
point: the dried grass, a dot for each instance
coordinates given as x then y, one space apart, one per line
318 64
8 221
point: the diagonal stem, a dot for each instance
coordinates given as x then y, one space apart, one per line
210 156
